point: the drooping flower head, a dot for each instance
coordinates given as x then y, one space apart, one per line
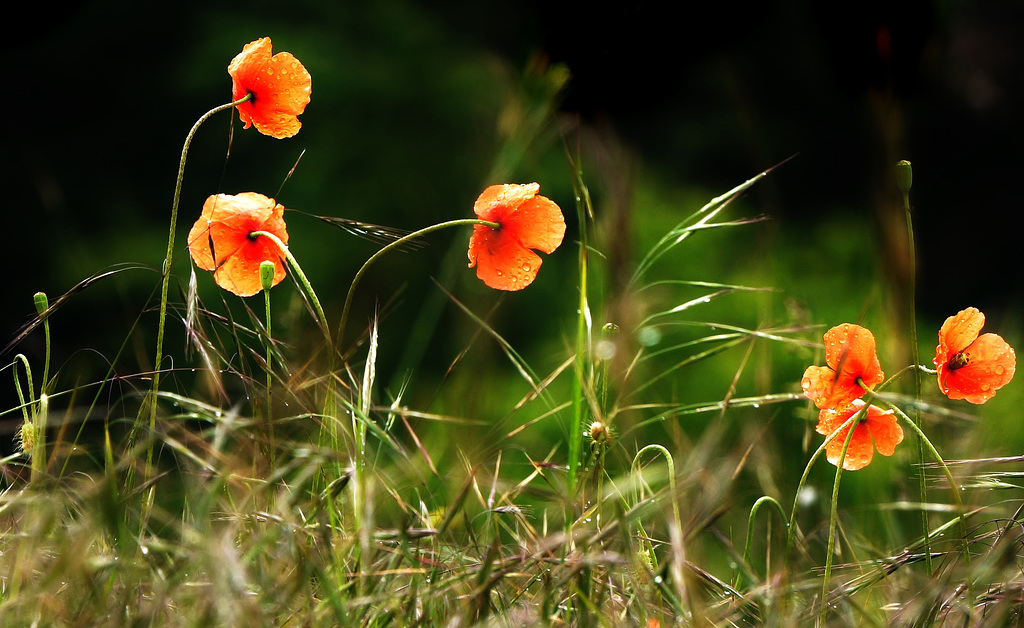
970 366
279 84
877 429
850 355
222 240
526 221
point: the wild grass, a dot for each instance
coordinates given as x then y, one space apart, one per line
643 460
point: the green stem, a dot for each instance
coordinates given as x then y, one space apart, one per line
301 276
42 304
738 581
925 443
904 176
834 513
165 271
267 280
394 245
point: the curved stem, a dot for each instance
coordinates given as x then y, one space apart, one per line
738 581
301 276
165 271
394 245
925 443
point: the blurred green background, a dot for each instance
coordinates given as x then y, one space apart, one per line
416 107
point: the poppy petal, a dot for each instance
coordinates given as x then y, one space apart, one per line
818 383
885 430
878 429
961 330
537 224
850 348
280 86
501 262
240 273
991 364
221 240
497 201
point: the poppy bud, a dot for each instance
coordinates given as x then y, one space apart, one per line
42 303
904 176
267 274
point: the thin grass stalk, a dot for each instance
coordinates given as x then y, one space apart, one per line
583 323
904 177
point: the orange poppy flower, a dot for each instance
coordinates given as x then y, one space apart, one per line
970 366
878 429
502 256
850 355
279 85
221 240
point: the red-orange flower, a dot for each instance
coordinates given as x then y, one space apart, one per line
877 429
222 240
526 221
850 355
279 85
970 366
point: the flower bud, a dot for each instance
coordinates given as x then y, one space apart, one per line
42 303
904 176
267 274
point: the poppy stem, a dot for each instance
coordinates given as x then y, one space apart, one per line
301 276
394 245
165 272
904 180
834 511
925 443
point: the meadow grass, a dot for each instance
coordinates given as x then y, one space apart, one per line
643 457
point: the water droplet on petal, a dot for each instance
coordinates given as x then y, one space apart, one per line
499 273
1000 369
526 267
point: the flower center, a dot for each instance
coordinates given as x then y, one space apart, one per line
253 236
959 360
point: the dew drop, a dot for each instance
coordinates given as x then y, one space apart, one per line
526 267
1000 369
985 387
499 273
270 71
284 71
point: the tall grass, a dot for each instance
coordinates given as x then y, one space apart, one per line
647 459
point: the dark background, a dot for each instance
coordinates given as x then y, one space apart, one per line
405 121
